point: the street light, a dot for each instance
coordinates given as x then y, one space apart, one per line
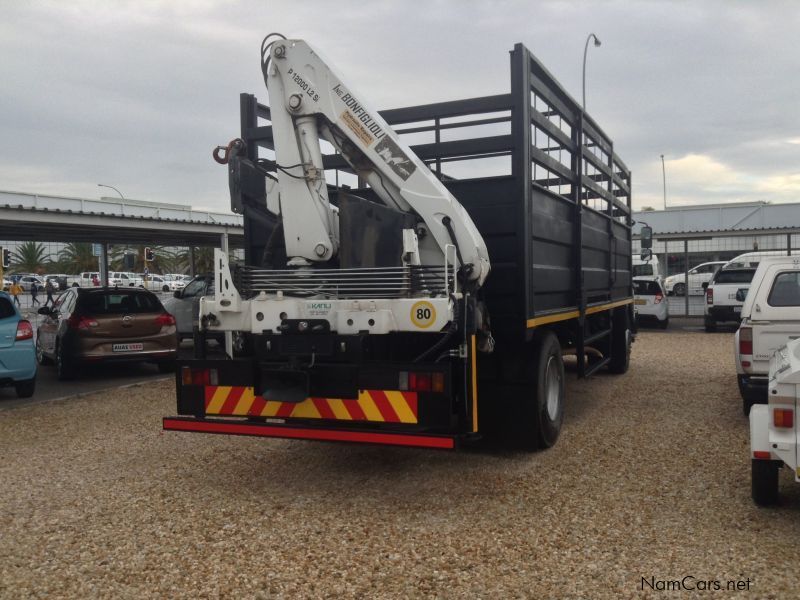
585 50
111 187
664 179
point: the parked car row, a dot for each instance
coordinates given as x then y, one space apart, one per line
98 325
166 283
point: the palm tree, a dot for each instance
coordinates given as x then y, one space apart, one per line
77 257
165 259
203 259
29 257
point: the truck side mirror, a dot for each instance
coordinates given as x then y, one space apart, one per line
741 294
647 236
646 254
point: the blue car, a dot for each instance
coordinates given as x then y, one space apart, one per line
17 352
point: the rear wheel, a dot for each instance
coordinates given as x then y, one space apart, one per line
620 344
764 480
64 367
664 324
710 324
165 288
40 357
75 285
749 396
679 289
25 388
543 409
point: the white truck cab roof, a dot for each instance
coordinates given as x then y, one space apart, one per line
774 292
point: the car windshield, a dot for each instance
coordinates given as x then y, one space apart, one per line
104 303
734 276
642 270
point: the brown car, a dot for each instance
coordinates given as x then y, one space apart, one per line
93 325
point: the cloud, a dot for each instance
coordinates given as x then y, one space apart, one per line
136 94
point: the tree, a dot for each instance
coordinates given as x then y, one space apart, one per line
203 259
166 260
77 257
29 257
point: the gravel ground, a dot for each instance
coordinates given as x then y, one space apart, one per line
649 479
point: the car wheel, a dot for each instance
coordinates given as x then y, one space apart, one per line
64 368
167 366
711 325
75 285
40 357
25 388
764 482
165 288
749 396
664 324
679 289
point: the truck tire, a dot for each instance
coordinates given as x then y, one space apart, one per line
543 408
664 324
679 289
710 325
764 482
620 344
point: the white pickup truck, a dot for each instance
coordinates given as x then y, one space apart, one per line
773 427
770 319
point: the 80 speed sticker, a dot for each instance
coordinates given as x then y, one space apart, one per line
423 314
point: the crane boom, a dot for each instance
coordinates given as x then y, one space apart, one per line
309 101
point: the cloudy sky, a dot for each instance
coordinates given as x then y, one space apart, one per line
136 94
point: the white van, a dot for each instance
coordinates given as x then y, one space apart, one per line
770 318
750 260
649 269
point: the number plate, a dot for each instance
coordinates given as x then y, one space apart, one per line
127 347
639 301
737 309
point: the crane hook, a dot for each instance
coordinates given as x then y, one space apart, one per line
236 146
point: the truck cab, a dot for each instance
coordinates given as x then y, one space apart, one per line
770 319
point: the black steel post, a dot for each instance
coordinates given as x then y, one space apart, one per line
521 165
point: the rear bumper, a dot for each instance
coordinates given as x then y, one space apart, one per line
18 363
443 442
724 313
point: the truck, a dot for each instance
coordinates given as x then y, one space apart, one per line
770 317
432 300
774 426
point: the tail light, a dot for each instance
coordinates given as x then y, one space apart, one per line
24 330
81 323
709 296
658 299
745 340
421 382
165 320
783 417
191 376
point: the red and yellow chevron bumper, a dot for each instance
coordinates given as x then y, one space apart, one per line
381 406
